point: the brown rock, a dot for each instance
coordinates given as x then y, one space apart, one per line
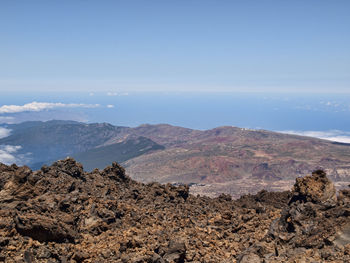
44 229
62 214
316 188
250 258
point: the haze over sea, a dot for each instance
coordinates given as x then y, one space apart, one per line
320 115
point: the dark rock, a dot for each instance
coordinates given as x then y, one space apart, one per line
44 229
176 252
157 259
80 256
28 257
250 258
68 166
21 175
116 172
183 191
4 241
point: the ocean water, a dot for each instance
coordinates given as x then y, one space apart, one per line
276 112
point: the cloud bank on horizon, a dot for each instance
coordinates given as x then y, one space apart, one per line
40 106
4 132
8 152
332 135
9 155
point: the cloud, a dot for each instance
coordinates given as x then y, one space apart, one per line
40 106
332 135
110 106
4 132
11 148
7 155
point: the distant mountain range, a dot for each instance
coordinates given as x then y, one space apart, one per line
225 159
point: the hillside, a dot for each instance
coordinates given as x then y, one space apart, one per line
57 139
63 214
237 161
222 160
130 148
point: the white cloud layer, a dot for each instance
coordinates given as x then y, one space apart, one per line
110 106
7 155
40 106
332 135
4 132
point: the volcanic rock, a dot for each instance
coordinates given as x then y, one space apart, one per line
316 188
63 214
314 225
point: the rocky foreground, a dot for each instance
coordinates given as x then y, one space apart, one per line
63 214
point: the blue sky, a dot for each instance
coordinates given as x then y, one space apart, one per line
189 45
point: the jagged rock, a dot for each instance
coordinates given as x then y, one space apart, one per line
309 218
344 196
63 214
21 175
80 256
316 188
313 227
116 172
68 166
183 191
44 229
176 252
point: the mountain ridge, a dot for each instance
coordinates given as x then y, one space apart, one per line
225 159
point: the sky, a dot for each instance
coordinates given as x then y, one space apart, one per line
186 45
259 64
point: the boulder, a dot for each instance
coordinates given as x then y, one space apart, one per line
316 188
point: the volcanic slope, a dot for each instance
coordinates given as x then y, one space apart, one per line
63 214
237 161
51 140
222 160
44 142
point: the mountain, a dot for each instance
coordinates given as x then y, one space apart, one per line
237 161
63 214
222 160
163 134
56 139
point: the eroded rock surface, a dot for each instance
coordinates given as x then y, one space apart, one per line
313 227
63 214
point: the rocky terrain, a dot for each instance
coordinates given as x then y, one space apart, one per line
227 159
63 214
